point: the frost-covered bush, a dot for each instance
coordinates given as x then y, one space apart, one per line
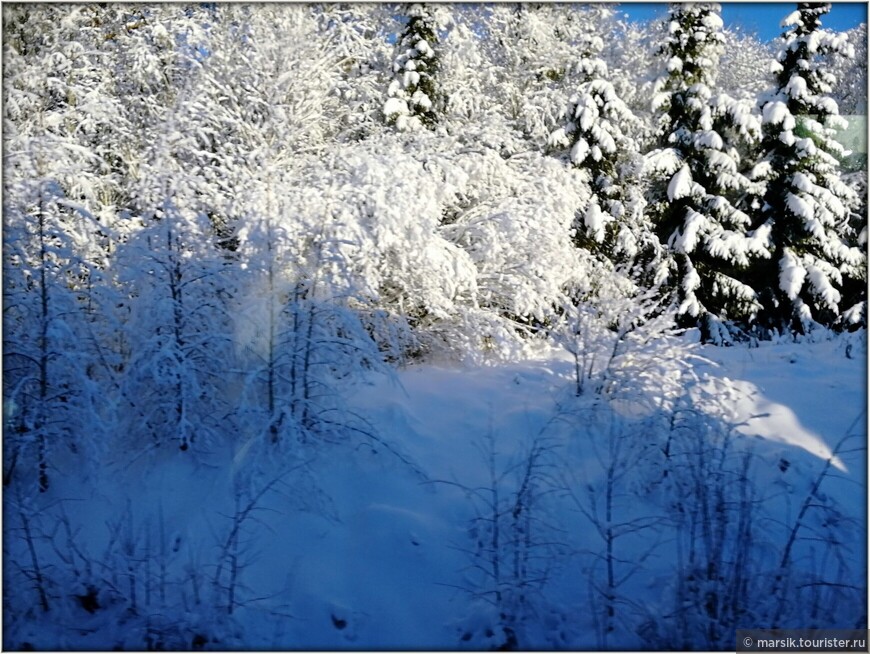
513 549
623 343
175 332
441 240
367 220
733 567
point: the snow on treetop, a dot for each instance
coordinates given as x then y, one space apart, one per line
794 18
713 21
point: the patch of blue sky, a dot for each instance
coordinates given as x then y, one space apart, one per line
760 18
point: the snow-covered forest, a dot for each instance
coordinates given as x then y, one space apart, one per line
430 326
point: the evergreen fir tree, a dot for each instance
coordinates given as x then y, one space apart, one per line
698 190
612 223
806 207
414 97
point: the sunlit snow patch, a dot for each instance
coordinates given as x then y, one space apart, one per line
780 424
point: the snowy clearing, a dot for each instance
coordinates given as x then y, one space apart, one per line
362 551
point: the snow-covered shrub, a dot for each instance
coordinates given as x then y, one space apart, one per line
711 503
367 219
134 583
603 491
445 242
623 343
176 331
732 566
516 227
514 547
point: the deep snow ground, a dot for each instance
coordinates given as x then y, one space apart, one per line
354 548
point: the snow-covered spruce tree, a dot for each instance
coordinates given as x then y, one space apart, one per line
595 134
697 189
414 97
806 207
